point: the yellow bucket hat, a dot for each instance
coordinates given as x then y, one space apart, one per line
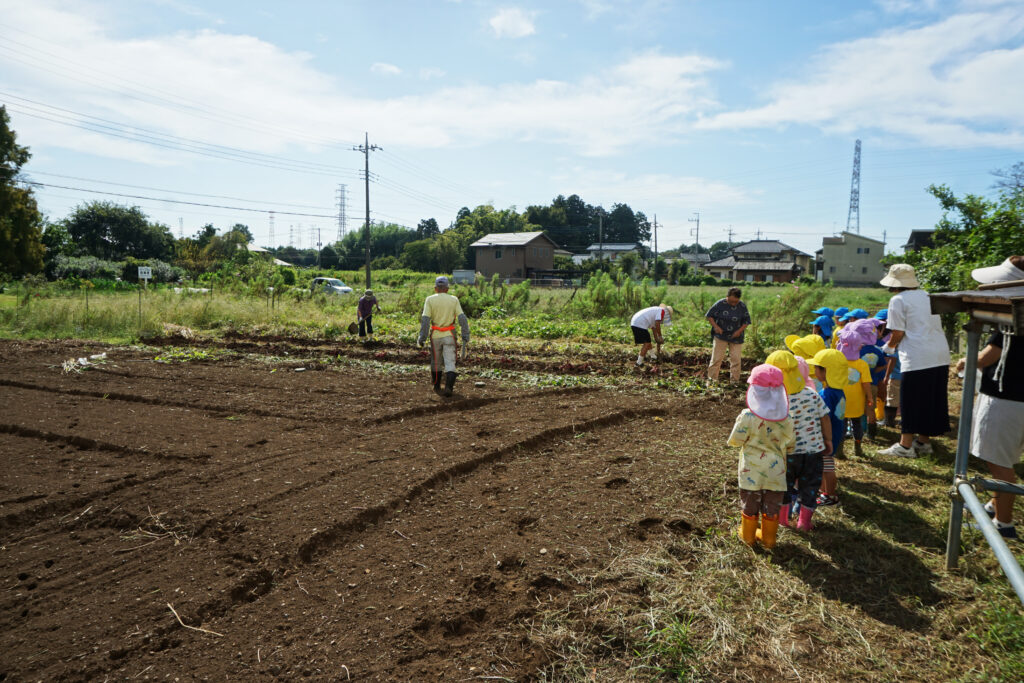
805 347
837 370
791 376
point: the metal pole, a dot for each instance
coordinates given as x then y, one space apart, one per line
1002 486
140 308
963 443
1007 560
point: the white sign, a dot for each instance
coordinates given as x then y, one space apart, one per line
145 273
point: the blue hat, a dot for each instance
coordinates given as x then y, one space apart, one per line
841 311
859 313
847 318
824 322
883 314
824 311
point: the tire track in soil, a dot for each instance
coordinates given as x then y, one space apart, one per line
472 403
86 443
31 516
145 400
343 532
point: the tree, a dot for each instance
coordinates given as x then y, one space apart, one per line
111 231
205 234
329 257
1010 179
721 249
419 255
56 242
627 263
244 230
21 247
427 228
626 226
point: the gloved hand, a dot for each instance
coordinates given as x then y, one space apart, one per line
419 343
888 350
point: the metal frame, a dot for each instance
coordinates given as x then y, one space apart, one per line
1004 308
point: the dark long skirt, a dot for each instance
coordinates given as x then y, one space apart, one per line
924 401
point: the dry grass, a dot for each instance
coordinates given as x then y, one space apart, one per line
863 597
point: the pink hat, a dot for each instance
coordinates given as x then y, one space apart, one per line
766 396
805 372
856 334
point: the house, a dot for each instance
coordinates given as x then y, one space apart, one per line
918 240
760 261
850 260
720 268
609 251
514 255
695 261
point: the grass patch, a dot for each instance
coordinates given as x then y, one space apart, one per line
865 596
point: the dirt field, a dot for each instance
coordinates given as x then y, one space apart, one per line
330 523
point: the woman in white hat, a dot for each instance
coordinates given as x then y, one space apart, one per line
997 433
918 338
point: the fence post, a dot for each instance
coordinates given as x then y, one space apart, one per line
963 444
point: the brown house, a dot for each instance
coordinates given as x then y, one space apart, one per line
514 255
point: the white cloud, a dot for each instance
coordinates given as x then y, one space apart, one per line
431 72
668 191
946 84
226 86
595 8
385 69
512 23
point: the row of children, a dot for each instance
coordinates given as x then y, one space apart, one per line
801 403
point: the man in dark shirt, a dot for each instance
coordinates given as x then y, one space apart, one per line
728 318
364 312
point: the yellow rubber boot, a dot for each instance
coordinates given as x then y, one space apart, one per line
880 411
748 529
768 531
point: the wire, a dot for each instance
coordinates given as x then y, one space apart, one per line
180 201
192 194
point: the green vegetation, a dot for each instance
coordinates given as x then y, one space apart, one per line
600 312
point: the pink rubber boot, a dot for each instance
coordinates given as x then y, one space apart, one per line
784 515
804 523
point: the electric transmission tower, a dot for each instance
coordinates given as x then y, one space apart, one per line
272 245
342 228
853 216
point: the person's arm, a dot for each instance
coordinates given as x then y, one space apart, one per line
869 402
714 325
826 434
740 433
657 332
739 332
988 356
890 364
424 324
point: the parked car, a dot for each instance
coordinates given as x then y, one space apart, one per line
329 285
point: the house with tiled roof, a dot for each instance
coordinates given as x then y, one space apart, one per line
761 261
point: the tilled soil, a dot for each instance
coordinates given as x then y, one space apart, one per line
333 524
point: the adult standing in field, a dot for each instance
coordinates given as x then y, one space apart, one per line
729 318
997 435
441 312
647 321
364 312
918 339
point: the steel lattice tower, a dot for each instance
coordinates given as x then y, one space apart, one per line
853 216
342 227
271 220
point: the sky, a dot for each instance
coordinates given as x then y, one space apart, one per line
742 114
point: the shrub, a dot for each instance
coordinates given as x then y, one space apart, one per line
86 267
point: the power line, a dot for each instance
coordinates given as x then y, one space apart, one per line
177 201
161 189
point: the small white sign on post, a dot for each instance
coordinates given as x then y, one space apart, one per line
145 273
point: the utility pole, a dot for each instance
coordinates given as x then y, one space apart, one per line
883 242
600 238
696 245
366 148
655 250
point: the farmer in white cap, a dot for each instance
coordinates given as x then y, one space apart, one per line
441 312
997 435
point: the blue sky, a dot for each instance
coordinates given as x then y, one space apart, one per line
745 112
